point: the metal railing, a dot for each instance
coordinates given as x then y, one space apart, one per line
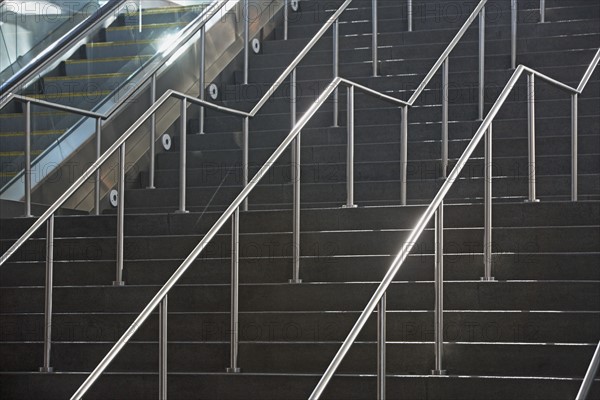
590 375
242 200
27 102
435 210
231 212
156 62
119 147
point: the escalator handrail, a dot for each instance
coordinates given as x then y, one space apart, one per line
56 50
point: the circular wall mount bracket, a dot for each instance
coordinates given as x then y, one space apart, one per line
256 46
113 197
213 91
166 141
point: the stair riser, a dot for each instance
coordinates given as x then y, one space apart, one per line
555 296
312 358
267 387
412 327
526 265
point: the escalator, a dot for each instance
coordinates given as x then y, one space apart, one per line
108 70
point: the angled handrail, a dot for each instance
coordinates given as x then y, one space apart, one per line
55 50
588 380
105 156
144 117
435 207
233 210
227 214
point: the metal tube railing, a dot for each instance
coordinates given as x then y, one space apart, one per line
182 157
163 351
336 69
439 291
293 135
590 375
235 284
374 38
246 17
531 136
481 88
98 154
152 152
487 206
409 15
48 295
381 347
434 207
28 102
350 149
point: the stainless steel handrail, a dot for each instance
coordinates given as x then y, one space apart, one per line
588 380
119 145
436 206
28 101
229 212
55 51
242 198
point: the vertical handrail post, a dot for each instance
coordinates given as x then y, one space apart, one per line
381 347
152 151
285 19
183 158
245 157
296 166
202 77
48 294
235 285
162 352
27 159
374 44
350 149
445 95
513 33
97 174
409 15
574 146
487 224
542 11
403 155
120 218
481 91
531 136
439 292
336 60
246 17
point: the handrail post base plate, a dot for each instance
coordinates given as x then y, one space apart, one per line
295 281
439 372
46 370
532 201
350 206
488 279
118 283
233 370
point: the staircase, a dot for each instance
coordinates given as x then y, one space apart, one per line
529 335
